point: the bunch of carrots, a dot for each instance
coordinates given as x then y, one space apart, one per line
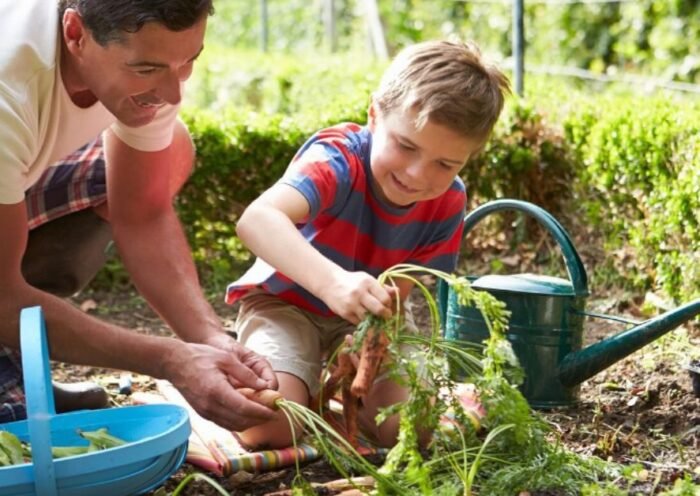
354 378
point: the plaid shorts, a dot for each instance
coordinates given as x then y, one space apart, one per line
75 183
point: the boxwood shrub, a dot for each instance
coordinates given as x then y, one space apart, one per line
625 167
639 180
631 171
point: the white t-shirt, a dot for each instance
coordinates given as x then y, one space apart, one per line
39 124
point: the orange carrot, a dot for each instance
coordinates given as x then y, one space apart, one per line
372 354
266 397
351 404
344 370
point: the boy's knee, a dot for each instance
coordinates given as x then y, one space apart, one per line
275 434
386 434
384 393
63 255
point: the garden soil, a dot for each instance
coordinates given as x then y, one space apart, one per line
642 410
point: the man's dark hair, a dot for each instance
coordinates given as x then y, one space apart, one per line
108 20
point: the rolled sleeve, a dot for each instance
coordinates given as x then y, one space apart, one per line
154 136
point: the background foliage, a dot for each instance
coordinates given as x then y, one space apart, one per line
614 161
626 171
659 37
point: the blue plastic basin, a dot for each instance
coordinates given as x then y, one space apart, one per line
156 436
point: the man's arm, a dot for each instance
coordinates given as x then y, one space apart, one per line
202 373
348 294
141 187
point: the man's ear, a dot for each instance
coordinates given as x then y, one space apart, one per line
74 32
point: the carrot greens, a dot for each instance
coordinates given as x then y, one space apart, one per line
491 444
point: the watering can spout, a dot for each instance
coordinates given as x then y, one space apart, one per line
580 365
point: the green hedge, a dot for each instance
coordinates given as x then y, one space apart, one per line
238 157
639 179
630 170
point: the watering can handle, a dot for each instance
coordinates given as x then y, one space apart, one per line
36 372
574 266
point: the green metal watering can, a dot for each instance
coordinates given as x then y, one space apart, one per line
547 316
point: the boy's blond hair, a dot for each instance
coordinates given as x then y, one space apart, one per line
448 83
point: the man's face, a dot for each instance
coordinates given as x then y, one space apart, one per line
134 78
410 164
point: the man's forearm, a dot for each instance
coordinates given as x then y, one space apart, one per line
158 259
79 338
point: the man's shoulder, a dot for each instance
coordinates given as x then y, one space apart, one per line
30 37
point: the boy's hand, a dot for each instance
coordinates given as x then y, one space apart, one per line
351 295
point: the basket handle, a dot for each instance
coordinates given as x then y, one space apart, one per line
36 372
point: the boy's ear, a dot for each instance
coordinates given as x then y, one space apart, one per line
372 116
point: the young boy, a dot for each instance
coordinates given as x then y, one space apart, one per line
355 201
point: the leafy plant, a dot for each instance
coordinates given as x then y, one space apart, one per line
639 185
514 454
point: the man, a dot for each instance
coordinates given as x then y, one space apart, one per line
111 70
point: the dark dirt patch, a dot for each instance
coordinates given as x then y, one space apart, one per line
640 410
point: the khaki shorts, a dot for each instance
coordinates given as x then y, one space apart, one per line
294 341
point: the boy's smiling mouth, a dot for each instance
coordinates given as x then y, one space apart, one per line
403 187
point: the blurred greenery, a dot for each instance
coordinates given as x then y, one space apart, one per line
593 156
281 83
659 37
618 162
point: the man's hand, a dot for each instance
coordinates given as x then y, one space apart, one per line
352 294
254 365
207 376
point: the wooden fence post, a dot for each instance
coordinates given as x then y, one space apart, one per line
376 30
518 46
329 22
264 26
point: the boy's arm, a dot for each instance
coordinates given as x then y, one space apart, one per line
268 229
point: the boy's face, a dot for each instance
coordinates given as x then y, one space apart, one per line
135 78
410 164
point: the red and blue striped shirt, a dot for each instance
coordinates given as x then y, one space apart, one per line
351 225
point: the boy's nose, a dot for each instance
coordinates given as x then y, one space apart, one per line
416 171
